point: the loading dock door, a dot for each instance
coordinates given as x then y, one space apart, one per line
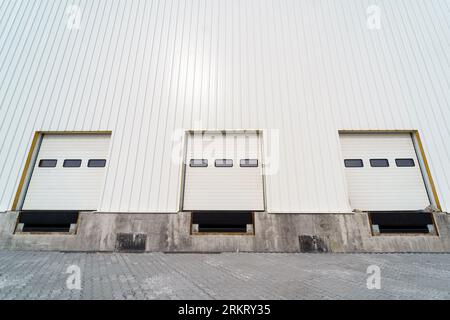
383 172
223 172
68 173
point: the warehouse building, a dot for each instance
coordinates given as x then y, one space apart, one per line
269 126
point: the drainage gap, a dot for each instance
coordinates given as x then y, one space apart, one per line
401 222
47 222
225 222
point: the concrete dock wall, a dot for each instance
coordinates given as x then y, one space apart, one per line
273 233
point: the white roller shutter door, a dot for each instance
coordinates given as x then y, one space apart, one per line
236 187
68 188
391 188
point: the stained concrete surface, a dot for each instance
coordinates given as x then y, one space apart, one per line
43 275
273 233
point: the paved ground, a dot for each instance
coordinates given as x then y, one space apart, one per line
42 275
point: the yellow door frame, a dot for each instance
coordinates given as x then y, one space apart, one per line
26 169
414 134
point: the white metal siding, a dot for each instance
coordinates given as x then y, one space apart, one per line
219 188
143 69
383 188
63 188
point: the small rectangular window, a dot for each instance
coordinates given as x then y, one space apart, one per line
96 163
223 163
404 162
47 163
200 163
353 163
72 163
248 163
378 163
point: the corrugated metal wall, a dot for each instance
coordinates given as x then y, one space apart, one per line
143 69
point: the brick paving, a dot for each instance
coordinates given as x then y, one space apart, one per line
42 275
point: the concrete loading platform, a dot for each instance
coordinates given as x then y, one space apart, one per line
272 233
